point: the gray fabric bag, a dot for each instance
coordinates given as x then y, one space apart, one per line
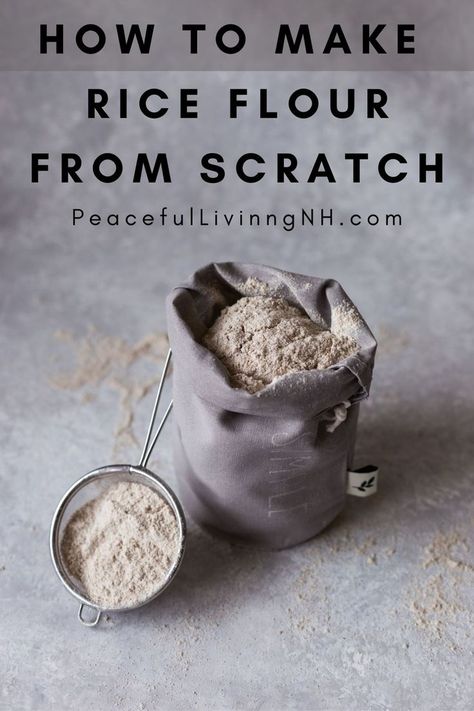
261 467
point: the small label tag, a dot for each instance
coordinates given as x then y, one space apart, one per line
363 481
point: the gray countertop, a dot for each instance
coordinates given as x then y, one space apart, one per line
375 613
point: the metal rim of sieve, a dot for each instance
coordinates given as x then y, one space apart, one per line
113 471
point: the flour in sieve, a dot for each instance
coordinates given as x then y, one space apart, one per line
121 545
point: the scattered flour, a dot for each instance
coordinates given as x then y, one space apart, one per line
105 360
121 545
98 356
261 338
448 549
437 601
434 605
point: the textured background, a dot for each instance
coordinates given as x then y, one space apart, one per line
374 613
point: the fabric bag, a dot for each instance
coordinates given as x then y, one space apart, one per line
270 467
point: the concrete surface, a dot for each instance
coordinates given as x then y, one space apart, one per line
376 612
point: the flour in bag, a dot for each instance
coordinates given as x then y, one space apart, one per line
261 338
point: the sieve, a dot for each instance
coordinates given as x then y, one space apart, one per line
90 486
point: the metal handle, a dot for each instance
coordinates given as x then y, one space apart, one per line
147 447
92 622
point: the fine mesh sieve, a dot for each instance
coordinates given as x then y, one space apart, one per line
90 486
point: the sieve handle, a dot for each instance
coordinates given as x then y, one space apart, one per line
93 621
148 447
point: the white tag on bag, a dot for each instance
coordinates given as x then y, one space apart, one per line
362 482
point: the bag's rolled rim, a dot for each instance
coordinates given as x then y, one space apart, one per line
210 379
